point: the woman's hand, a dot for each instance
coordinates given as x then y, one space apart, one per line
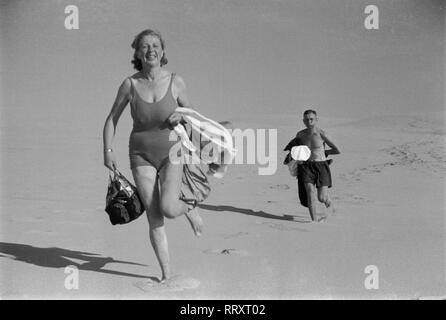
109 160
174 119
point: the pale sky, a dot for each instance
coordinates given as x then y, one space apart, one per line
238 58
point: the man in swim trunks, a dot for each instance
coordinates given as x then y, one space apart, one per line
315 172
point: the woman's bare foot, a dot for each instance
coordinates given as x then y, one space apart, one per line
172 283
195 221
164 278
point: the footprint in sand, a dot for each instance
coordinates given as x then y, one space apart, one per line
44 232
282 227
235 235
226 252
280 186
176 283
352 199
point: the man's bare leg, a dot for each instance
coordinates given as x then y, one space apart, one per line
311 199
324 197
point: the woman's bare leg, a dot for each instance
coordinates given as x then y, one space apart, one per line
170 177
146 181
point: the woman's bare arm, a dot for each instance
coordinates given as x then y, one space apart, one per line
181 92
121 101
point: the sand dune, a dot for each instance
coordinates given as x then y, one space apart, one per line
379 94
258 242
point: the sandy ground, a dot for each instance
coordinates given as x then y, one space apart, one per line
389 192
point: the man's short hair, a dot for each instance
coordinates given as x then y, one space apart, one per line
310 111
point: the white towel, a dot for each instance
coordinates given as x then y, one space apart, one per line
218 136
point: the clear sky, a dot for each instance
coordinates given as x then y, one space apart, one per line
238 58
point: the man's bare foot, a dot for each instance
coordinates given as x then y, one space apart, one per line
195 221
329 205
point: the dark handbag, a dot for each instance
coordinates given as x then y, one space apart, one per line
122 203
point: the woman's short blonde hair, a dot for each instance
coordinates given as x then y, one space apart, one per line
137 64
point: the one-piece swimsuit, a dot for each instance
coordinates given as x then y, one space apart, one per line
149 143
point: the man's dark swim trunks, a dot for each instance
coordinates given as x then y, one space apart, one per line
315 172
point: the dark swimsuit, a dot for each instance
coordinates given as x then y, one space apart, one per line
149 143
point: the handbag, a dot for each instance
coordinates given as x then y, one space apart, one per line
122 202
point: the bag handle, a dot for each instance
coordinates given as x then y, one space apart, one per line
118 174
115 173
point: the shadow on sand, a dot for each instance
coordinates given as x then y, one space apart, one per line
60 258
250 212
